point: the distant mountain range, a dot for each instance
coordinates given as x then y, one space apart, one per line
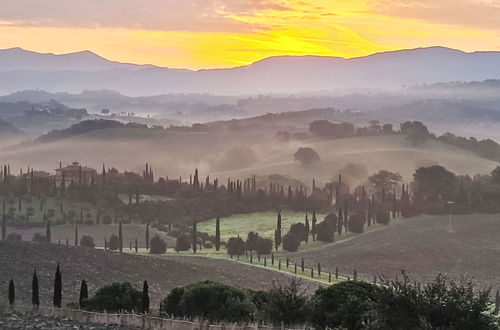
21 69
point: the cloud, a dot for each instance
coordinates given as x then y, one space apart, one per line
163 15
481 14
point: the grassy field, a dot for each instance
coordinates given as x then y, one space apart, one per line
98 232
51 207
263 223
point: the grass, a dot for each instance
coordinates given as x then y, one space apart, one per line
263 223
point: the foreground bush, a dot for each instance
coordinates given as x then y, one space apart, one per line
290 242
211 301
87 241
116 297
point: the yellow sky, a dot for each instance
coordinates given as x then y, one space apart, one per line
231 33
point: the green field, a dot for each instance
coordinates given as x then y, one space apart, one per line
263 223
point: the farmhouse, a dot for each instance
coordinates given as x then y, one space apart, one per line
75 174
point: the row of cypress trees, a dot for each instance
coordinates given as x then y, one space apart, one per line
57 295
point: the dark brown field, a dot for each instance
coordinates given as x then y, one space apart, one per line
98 267
422 247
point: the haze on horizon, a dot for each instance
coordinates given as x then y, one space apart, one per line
198 34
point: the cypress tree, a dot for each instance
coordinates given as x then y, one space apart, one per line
340 221
35 295
76 234
136 246
319 269
313 228
302 264
4 227
48 233
307 229
277 232
497 303
120 237
145 298
105 243
58 288
194 237
336 273
12 292
147 236
84 293
217 234
355 275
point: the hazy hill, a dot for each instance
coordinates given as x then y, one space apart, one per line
21 69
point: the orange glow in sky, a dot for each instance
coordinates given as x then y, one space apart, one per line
198 34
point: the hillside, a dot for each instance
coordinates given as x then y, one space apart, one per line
242 153
422 247
98 267
20 69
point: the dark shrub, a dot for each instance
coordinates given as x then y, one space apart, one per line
212 301
325 231
347 305
356 223
87 241
284 304
236 246
383 217
306 155
117 297
114 243
157 246
14 237
299 230
264 245
39 238
290 242
182 243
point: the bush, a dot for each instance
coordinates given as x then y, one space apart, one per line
182 243
39 238
235 246
87 241
212 301
285 304
325 231
299 230
346 305
356 223
383 217
290 242
117 297
107 220
264 245
114 243
157 245
306 155
14 237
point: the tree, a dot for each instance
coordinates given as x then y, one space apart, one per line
313 227
116 297
48 233
214 302
306 155
217 234
299 230
147 236
182 243
277 232
76 234
145 297
12 293
291 242
158 245
4 227
415 132
194 236
84 293
384 180
87 242
264 246
356 222
120 237
495 175
114 243
235 246
252 241
433 183
35 295
325 231
57 288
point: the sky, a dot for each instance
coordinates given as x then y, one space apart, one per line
197 34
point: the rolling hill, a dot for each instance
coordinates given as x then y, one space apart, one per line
242 153
20 69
